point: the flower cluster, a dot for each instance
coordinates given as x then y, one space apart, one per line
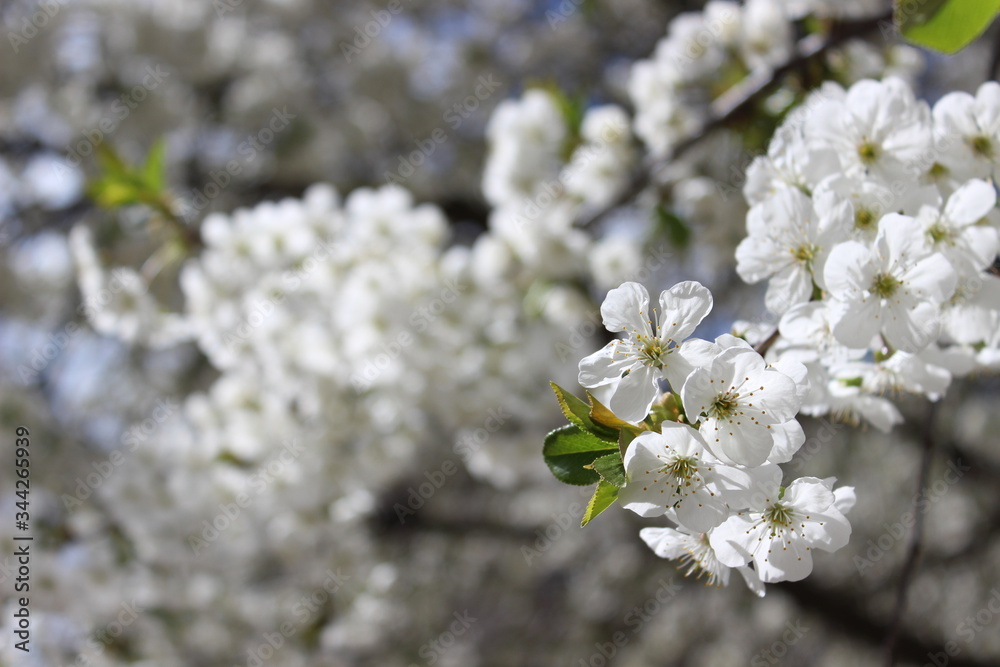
713 468
704 53
874 223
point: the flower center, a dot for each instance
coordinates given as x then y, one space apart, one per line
805 253
938 170
652 351
982 146
778 517
868 151
682 469
940 233
864 218
724 406
885 285
699 557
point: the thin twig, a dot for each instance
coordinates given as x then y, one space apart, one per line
916 539
766 344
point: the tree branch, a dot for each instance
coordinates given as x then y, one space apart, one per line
916 540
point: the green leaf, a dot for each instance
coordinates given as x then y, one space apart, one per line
604 497
944 25
122 184
112 191
675 229
153 172
568 449
578 412
611 469
603 416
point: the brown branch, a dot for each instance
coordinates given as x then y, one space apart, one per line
767 343
916 540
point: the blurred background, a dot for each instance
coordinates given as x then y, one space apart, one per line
298 499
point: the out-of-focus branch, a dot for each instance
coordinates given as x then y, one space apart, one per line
842 613
916 539
740 97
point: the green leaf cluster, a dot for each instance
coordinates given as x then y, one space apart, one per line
123 184
589 449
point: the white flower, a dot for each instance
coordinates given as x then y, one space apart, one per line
788 242
695 553
871 200
738 401
674 469
902 372
599 168
624 373
782 528
807 335
972 315
877 128
968 131
852 403
959 230
766 36
526 137
895 288
790 161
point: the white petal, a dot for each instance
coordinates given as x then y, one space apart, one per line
911 330
849 269
604 366
971 202
634 394
788 438
626 308
682 308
